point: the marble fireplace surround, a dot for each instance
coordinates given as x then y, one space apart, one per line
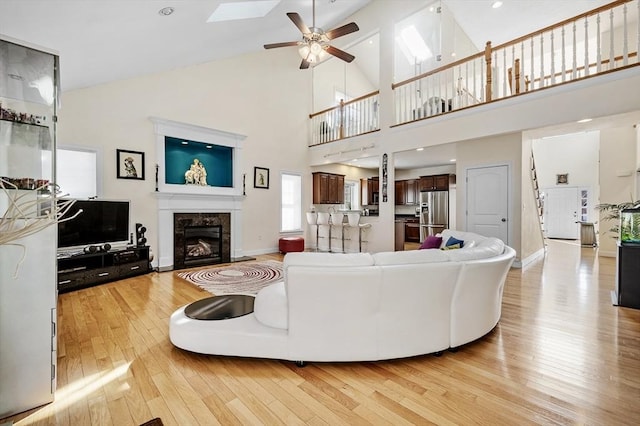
173 198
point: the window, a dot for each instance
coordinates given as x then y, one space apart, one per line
291 202
77 172
351 189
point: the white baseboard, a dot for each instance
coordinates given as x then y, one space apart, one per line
606 253
523 263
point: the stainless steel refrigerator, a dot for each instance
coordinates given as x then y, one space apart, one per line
434 213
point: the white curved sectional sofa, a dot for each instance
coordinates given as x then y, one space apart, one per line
364 307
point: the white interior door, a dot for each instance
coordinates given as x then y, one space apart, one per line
561 207
488 201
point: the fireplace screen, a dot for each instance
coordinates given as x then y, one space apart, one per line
202 244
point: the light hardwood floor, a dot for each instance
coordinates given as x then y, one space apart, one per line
561 354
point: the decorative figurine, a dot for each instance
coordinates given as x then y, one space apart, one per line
197 174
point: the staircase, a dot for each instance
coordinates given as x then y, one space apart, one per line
538 198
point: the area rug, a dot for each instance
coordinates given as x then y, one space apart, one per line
241 278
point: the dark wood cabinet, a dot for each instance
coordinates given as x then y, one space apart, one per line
412 194
86 270
407 193
373 190
434 183
412 231
401 186
328 188
627 281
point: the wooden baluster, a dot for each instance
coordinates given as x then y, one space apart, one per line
507 76
553 59
598 49
487 58
625 51
532 64
574 74
542 73
564 53
586 46
342 119
522 79
612 54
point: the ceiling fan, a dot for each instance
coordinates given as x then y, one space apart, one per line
316 41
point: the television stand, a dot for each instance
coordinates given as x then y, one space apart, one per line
86 270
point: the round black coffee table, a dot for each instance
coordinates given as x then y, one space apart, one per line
220 307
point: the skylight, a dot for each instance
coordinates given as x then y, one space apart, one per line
413 46
242 10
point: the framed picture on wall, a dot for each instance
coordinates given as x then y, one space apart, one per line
562 179
260 177
130 164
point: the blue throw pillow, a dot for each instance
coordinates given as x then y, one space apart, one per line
453 241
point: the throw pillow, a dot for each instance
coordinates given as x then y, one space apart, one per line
451 247
453 241
431 242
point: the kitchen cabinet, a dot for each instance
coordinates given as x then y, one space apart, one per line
412 231
401 186
328 188
407 193
434 183
369 191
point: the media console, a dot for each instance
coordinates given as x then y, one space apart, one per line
76 271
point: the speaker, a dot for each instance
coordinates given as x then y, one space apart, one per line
91 249
141 240
105 247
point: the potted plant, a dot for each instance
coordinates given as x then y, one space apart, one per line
612 212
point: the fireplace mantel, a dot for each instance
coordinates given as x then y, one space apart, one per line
195 198
170 203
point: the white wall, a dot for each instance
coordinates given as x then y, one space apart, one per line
231 95
617 177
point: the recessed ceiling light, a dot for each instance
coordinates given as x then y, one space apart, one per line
166 11
496 4
453 160
419 149
242 10
585 120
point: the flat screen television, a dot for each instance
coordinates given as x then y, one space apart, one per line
99 222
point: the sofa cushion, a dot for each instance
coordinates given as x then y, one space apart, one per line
461 235
431 242
409 257
270 306
451 247
452 241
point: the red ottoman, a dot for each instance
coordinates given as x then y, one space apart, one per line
289 244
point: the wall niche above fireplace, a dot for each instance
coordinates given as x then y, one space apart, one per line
179 144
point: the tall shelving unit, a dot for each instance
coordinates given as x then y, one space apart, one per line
28 287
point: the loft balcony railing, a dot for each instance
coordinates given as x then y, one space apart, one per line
351 118
596 42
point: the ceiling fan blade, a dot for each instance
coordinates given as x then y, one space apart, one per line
285 44
340 54
304 64
341 31
297 20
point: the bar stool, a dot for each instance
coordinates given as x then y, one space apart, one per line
312 219
361 227
323 219
337 219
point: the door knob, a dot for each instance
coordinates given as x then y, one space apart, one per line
503 219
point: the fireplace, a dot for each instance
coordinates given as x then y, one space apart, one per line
201 239
202 245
